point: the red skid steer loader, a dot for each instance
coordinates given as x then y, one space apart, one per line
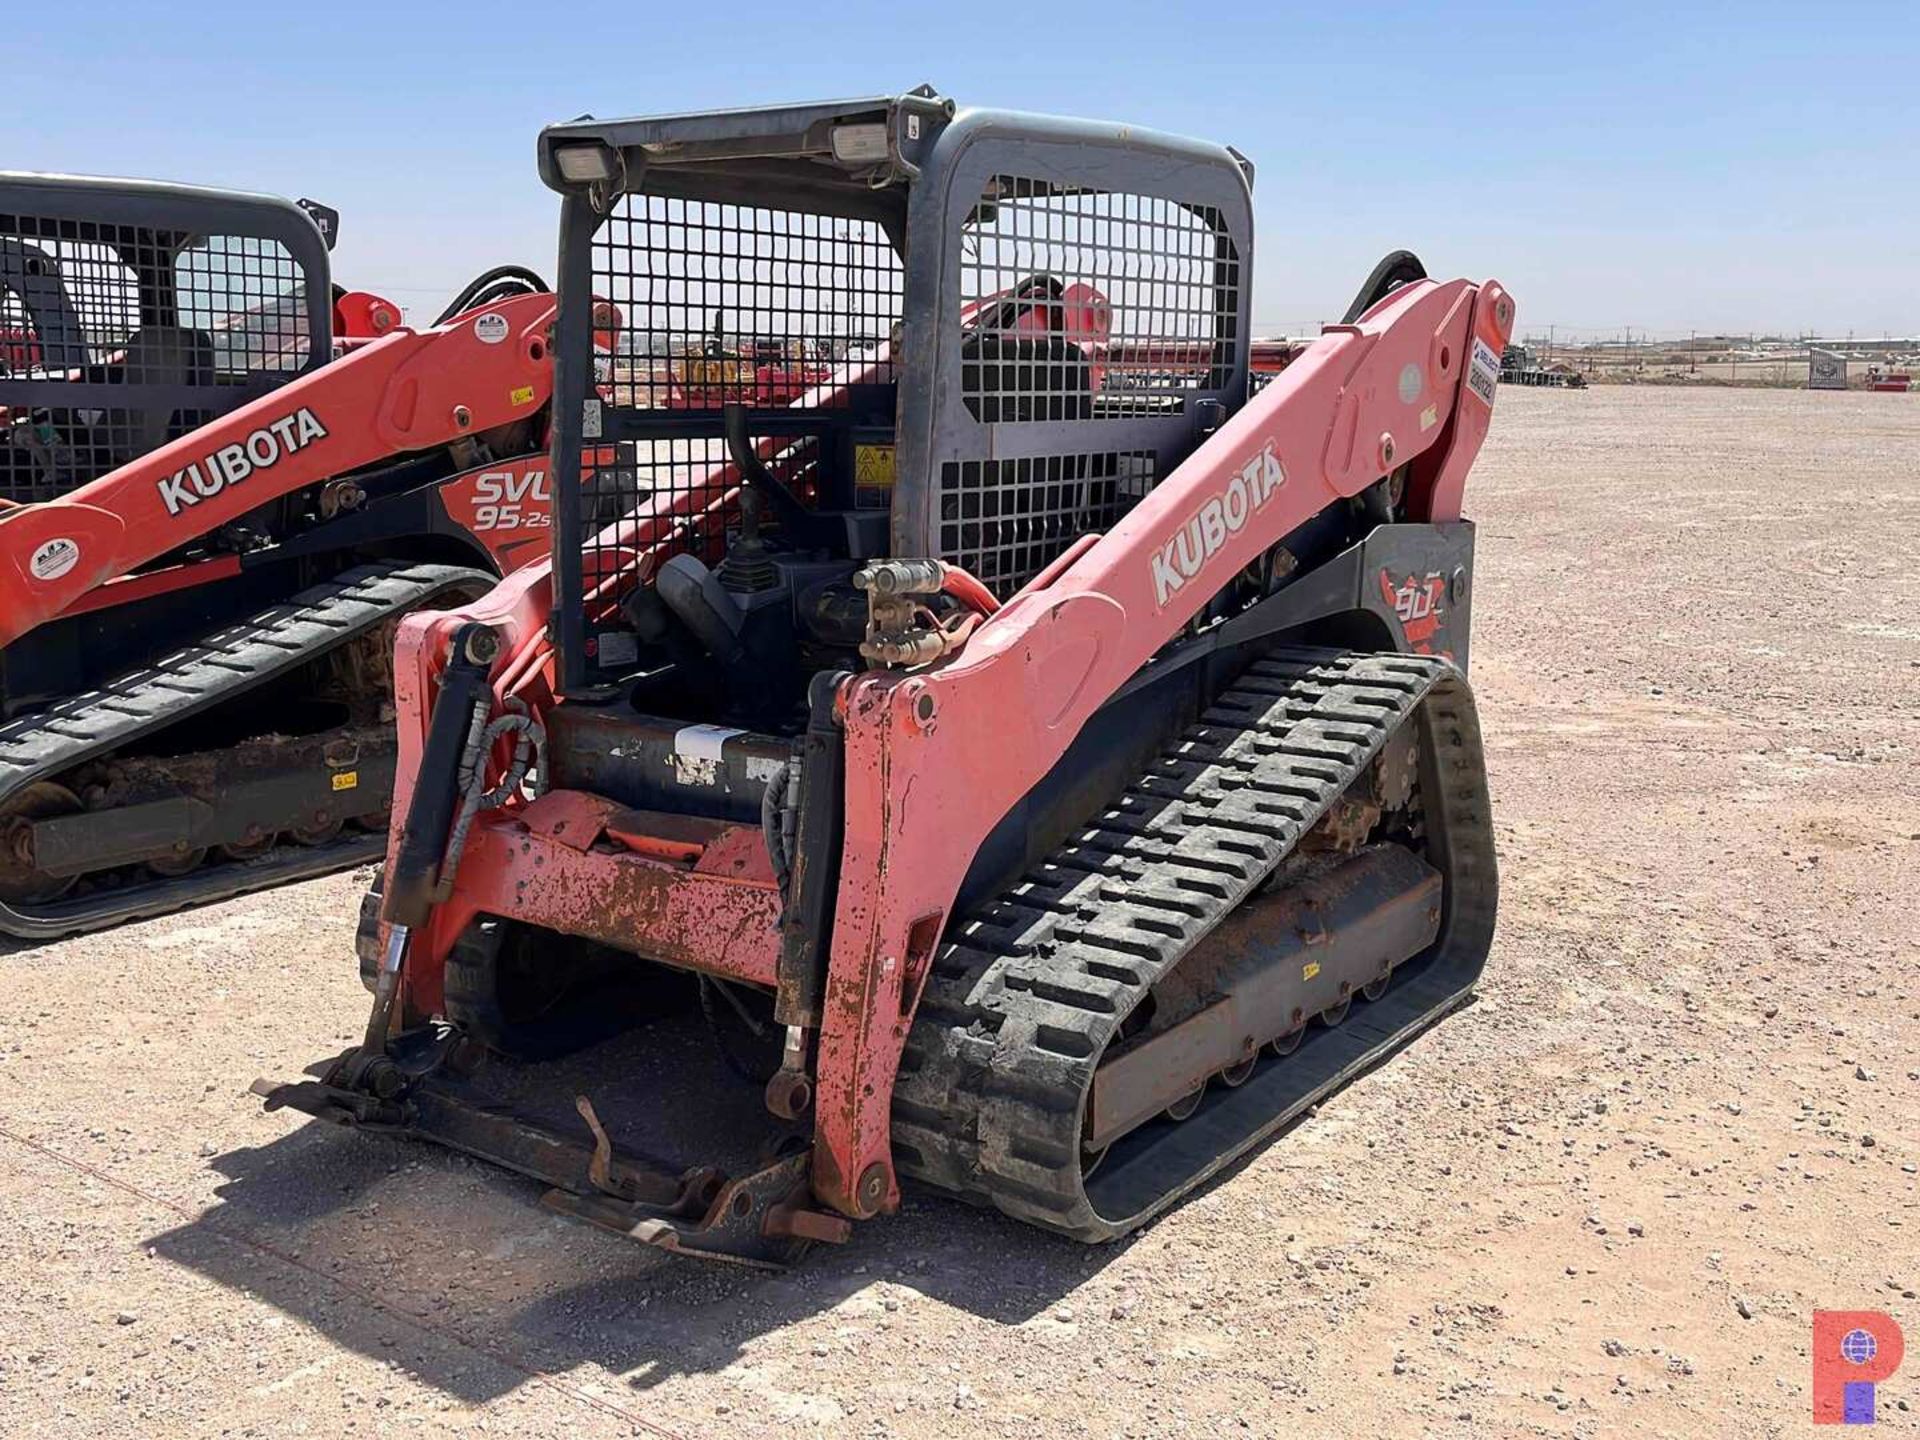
1053 763
222 481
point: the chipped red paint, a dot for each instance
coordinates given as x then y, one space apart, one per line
722 919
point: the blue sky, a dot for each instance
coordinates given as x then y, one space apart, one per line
1740 167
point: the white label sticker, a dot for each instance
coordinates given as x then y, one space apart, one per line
54 559
702 742
490 329
617 647
1483 374
1410 378
591 424
698 753
913 126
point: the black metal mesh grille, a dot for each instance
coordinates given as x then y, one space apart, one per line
19 338
249 297
1081 304
730 304
721 304
199 324
1005 520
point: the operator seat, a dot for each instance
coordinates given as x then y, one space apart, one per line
171 356
1016 364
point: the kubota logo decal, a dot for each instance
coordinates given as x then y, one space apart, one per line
1417 602
230 464
1225 515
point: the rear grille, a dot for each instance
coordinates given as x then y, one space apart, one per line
1006 520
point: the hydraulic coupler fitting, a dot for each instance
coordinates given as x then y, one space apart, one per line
901 577
898 632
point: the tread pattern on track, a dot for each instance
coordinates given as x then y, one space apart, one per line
1030 989
180 685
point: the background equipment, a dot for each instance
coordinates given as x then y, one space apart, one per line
222 482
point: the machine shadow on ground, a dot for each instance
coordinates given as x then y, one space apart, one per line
311 1224
449 1268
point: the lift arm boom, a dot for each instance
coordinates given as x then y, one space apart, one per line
409 391
1410 382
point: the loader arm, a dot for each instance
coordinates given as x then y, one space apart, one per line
931 766
408 391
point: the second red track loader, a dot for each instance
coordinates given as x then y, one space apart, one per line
1048 758
222 482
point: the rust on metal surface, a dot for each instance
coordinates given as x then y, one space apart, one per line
759 1219
724 924
572 817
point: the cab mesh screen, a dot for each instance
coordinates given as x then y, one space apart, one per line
1004 520
186 326
1089 304
718 304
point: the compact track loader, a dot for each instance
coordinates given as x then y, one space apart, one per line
1051 760
221 483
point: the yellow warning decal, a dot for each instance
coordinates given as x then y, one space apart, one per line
346 779
873 467
520 395
1310 969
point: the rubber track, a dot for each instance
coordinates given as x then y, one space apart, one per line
226 664
1029 991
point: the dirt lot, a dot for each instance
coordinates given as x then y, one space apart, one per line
1603 1201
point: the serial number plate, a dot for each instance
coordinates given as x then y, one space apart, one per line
1483 374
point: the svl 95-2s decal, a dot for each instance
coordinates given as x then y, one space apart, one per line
501 499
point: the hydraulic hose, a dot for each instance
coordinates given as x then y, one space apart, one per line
529 757
502 282
774 824
968 591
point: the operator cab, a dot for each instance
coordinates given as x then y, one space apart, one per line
857 331
132 312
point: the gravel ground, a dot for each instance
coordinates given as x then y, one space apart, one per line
1603 1201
